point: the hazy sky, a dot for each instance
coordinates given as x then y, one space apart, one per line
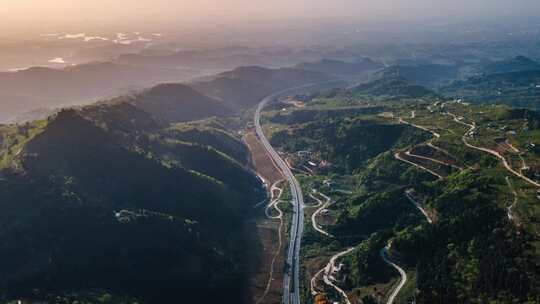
36 14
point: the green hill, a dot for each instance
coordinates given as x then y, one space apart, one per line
428 75
519 89
111 201
245 86
175 103
389 83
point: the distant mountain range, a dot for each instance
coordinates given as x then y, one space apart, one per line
244 87
514 82
38 87
23 92
341 68
232 57
516 64
428 75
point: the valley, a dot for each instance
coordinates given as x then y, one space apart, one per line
270 152
399 189
320 176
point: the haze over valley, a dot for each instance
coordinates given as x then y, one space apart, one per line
270 152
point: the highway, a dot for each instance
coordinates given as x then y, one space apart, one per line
291 277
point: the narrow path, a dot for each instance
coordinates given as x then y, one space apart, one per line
509 211
514 149
432 160
313 284
327 274
437 135
402 273
524 165
273 204
14 162
314 215
503 160
328 270
443 151
418 206
398 156
430 142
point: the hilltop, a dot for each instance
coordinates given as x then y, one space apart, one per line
245 86
519 89
390 83
176 103
516 64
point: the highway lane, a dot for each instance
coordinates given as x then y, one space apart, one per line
291 277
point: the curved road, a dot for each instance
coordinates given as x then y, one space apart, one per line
291 277
314 215
430 144
402 273
328 270
498 155
418 206
273 204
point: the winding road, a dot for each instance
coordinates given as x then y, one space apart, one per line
418 206
291 276
429 143
274 202
275 199
402 273
398 156
503 160
329 269
440 162
314 215
509 211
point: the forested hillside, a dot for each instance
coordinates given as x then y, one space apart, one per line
111 201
